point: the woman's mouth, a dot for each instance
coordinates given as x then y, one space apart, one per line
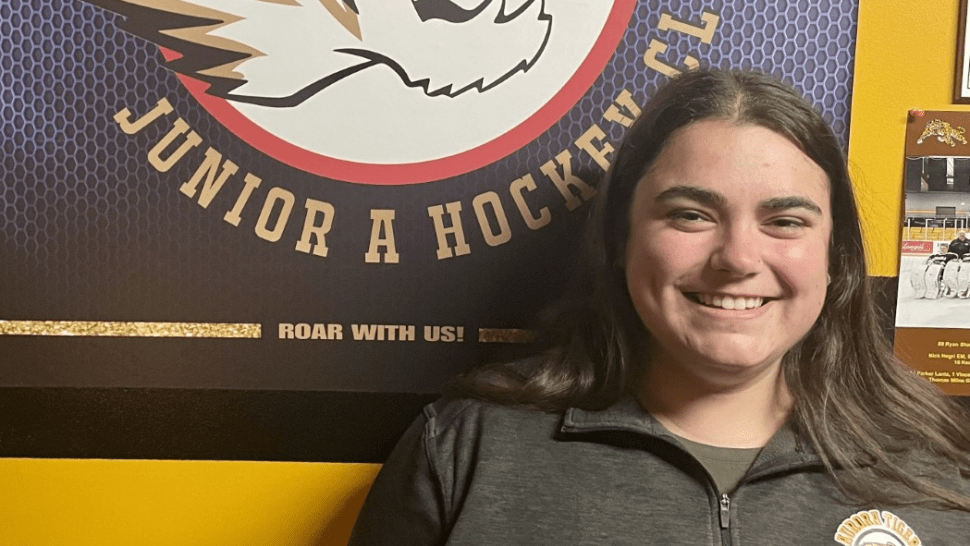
724 301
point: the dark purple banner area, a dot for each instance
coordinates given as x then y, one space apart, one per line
191 206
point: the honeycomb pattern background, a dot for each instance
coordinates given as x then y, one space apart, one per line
90 231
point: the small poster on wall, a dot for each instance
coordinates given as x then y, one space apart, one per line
961 87
933 302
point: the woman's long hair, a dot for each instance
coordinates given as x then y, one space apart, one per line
864 411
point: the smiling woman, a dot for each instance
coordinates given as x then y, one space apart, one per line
726 267
724 364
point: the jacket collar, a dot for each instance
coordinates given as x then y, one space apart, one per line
784 451
624 415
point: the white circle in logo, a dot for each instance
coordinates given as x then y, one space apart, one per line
416 90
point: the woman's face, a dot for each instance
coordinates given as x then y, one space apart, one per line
727 257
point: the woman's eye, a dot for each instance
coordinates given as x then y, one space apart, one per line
689 220
787 223
686 215
786 226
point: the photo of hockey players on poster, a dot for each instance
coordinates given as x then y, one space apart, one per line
934 268
933 300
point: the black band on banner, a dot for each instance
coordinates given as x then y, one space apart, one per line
200 424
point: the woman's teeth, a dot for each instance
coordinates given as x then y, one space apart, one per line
729 302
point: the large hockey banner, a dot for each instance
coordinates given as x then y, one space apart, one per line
933 302
213 202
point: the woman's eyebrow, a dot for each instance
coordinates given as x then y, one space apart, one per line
703 196
712 198
791 202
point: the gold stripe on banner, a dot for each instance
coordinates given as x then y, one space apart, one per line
128 329
505 335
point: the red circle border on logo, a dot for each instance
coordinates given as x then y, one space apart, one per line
424 171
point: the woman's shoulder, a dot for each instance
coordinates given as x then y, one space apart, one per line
471 416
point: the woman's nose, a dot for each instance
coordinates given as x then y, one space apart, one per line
738 253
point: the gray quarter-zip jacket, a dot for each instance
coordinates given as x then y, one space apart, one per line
473 473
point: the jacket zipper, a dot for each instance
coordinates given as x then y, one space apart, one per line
724 502
725 514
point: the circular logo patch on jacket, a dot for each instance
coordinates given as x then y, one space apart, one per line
875 528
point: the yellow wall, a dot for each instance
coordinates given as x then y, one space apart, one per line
904 60
178 503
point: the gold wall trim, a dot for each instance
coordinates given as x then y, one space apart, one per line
505 335
128 329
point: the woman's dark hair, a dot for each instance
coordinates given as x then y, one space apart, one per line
862 409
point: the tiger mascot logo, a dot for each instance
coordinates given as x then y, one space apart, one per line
944 132
382 91
280 53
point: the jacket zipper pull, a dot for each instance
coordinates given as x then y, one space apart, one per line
725 511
